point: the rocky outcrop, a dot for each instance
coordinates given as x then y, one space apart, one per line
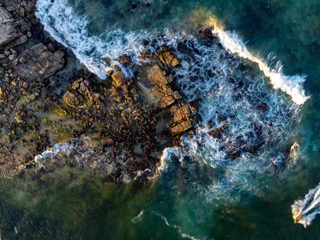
154 87
39 62
8 27
181 115
117 128
78 95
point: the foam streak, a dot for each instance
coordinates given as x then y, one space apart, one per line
304 211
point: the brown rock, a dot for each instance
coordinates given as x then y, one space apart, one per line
175 62
70 99
177 95
222 118
167 58
234 155
180 112
78 95
109 73
182 127
118 79
124 59
224 127
154 87
207 32
155 75
215 133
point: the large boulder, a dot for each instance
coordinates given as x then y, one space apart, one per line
154 87
8 29
39 62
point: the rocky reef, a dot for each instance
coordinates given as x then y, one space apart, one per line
54 113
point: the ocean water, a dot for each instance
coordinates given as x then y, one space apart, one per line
200 193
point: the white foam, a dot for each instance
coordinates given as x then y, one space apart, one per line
64 148
178 228
217 95
65 26
292 85
304 211
138 218
61 21
165 158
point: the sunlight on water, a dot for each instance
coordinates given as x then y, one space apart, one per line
292 85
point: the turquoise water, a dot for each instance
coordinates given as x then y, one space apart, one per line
245 199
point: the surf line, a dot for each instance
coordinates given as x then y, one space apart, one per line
292 85
304 211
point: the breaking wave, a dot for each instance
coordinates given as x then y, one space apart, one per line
95 52
304 211
292 85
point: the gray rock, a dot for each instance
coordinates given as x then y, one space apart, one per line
22 60
8 30
11 57
11 5
41 63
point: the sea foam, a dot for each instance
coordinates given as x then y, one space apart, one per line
212 78
65 26
99 52
304 211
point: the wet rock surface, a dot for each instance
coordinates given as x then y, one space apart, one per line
55 114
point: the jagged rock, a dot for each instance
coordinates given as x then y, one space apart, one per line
181 112
78 95
182 127
182 118
215 133
167 58
124 59
8 29
224 127
176 120
118 79
222 118
154 87
109 73
177 95
234 155
41 63
70 99
207 32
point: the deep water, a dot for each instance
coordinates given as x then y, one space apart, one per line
198 195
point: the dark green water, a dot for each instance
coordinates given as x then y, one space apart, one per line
65 205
